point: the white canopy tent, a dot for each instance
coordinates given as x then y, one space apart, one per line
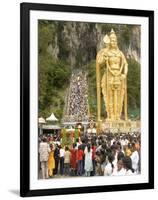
41 120
52 118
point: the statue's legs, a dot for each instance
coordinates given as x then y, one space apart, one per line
113 98
110 109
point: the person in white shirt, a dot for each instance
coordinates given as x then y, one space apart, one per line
135 158
44 153
123 143
120 170
77 143
88 161
67 156
108 170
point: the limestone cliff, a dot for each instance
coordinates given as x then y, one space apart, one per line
77 42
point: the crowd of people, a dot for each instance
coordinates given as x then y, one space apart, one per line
77 108
106 154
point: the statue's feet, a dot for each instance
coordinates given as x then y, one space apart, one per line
108 119
118 118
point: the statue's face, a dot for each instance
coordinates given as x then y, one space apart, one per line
113 42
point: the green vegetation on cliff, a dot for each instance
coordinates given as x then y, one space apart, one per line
53 76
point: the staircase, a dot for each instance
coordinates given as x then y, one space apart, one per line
76 100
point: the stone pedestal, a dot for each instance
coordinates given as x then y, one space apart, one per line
119 126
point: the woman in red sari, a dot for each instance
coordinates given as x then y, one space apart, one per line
80 161
73 160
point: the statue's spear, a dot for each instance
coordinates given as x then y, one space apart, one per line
125 100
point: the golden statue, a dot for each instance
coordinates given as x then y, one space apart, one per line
113 83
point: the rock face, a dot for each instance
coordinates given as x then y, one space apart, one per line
133 50
77 42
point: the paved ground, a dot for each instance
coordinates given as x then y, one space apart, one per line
58 176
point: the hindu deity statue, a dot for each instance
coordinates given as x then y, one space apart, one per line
113 82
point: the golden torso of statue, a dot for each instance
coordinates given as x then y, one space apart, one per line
114 60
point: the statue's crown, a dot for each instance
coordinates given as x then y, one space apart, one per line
112 33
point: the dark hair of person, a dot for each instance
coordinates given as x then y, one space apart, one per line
44 139
88 148
83 140
51 146
99 142
66 148
79 147
118 143
120 155
100 137
133 145
110 159
74 145
93 143
113 147
102 151
127 162
129 145
108 151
